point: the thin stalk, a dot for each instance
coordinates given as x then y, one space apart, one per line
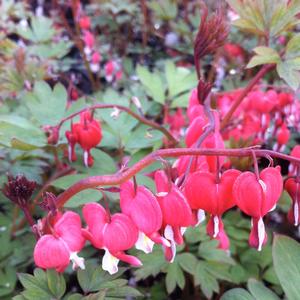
265 69
118 178
141 118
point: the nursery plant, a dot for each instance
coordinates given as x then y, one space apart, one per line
149 149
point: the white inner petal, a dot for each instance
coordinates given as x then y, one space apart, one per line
78 262
110 263
169 233
70 153
216 226
173 248
144 243
261 233
200 216
296 213
161 194
86 158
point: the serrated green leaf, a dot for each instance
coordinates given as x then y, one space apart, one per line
265 55
174 277
288 74
187 261
179 79
56 283
125 291
153 264
207 282
34 288
47 106
259 291
293 47
153 84
286 259
209 251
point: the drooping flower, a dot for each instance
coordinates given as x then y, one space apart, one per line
295 153
256 197
142 207
205 192
56 249
87 133
175 209
292 186
283 136
85 23
114 234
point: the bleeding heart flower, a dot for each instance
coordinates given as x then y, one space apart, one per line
216 222
283 136
292 186
55 250
198 163
114 234
89 41
175 209
256 197
85 23
206 192
295 153
142 207
87 133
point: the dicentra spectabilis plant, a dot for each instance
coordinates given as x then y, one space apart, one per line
214 145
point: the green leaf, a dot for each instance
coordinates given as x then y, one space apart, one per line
19 133
237 294
293 47
287 72
143 137
34 287
122 292
153 264
286 258
56 283
179 79
153 84
187 261
174 277
207 281
8 280
265 55
47 106
94 278
259 291
209 251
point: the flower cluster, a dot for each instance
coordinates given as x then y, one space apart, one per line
161 218
87 133
261 116
193 188
112 68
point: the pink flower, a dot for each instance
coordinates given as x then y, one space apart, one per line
205 193
175 209
142 207
55 250
85 22
292 186
114 234
87 133
256 197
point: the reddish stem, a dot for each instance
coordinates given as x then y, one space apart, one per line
118 178
265 69
142 119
